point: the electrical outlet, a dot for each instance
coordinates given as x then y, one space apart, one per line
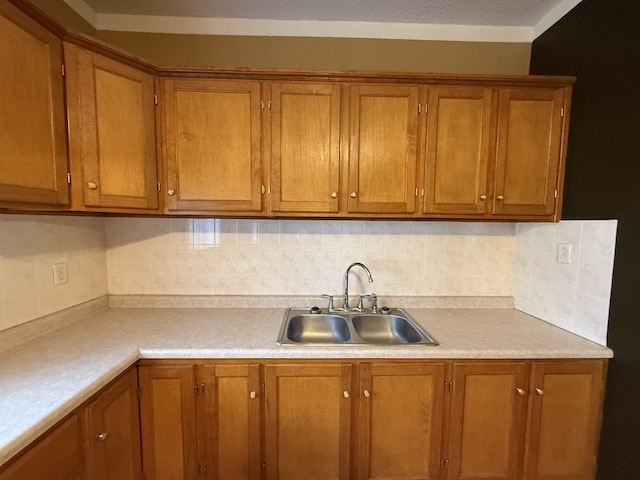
564 252
60 274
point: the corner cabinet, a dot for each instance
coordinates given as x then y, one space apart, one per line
112 137
212 146
33 165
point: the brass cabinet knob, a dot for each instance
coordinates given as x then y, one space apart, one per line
334 194
102 436
483 197
539 391
345 394
520 391
171 192
500 198
366 393
253 394
353 195
92 186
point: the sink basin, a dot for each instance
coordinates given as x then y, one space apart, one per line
314 328
300 327
391 329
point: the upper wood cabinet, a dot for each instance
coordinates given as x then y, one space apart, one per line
111 424
112 140
383 123
305 148
212 144
33 164
530 136
457 149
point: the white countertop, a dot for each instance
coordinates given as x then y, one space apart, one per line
45 379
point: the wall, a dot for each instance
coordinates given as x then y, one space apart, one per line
324 53
292 257
64 15
574 296
29 246
598 42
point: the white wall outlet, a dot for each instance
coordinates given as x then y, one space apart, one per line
564 252
60 274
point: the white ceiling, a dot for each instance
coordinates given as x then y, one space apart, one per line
467 20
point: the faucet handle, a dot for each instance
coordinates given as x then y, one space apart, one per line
330 298
372 298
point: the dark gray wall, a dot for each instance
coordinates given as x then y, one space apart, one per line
599 42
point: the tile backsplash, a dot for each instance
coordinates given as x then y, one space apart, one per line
574 296
298 257
29 246
199 256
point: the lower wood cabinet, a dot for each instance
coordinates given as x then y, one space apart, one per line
111 428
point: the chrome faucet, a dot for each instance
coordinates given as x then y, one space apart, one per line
345 303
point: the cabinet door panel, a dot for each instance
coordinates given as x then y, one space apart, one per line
530 136
229 420
112 432
457 149
213 145
400 421
383 148
33 164
112 142
56 456
487 420
167 416
564 420
308 421
305 147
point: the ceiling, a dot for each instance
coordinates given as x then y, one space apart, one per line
469 20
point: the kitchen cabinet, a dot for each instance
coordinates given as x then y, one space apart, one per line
565 402
57 455
112 140
531 144
308 421
458 149
487 420
400 412
383 123
112 431
33 165
229 412
305 148
168 422
212 146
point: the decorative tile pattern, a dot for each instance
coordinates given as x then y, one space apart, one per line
573 296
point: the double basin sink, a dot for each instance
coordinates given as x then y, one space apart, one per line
320 327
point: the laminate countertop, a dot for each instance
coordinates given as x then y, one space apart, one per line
46 378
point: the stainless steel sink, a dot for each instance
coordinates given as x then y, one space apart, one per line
300 327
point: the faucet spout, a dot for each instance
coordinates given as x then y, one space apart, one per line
345 303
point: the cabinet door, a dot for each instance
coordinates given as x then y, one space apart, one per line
212 130
529 150
457 149
112 432
564 420
55 456
33 164
400 421
383 148
229 421
487 420
167 417
305 147
308 413
112 133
